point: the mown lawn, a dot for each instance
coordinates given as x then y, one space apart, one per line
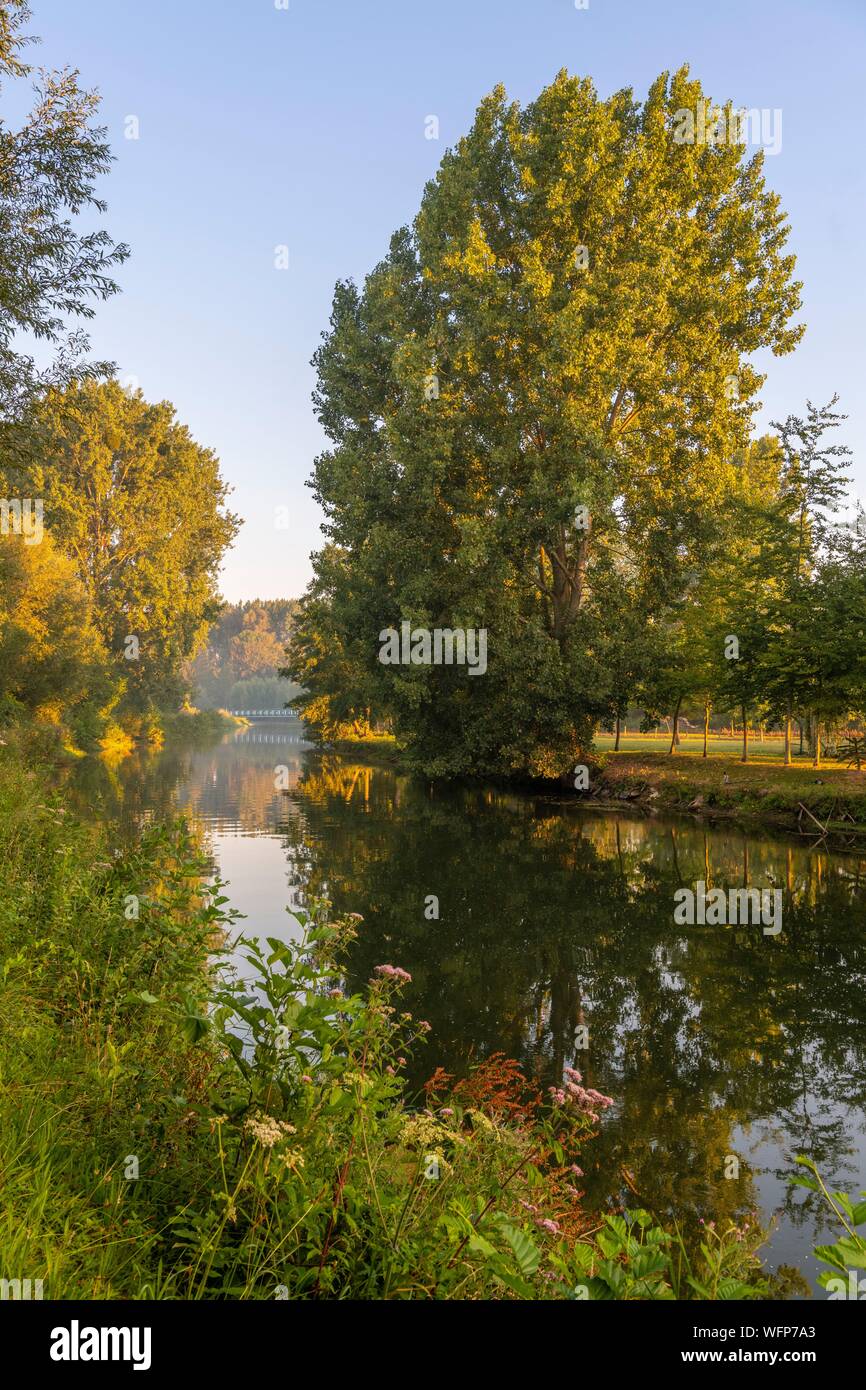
718 746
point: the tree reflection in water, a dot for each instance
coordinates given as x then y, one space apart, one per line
715 1041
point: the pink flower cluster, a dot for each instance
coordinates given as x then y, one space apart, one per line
589 1101
393 972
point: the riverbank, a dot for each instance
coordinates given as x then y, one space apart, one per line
121 739
831 798
760 790
165 1134
375 748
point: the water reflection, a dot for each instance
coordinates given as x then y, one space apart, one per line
554 921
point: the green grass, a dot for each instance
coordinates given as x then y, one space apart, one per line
762 788
772 749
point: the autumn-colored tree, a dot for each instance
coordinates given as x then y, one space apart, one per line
139 507
51 656
245 650
256 650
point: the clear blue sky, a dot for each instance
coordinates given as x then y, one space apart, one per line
261 126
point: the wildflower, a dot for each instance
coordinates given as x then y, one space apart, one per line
355 917
424 1025
603 1102
335 994
528 1206
266 1130
292 1158
424 1131
394 972
446 1110
588 1101
401 1061
308 1079
575 1075
578 1172
552 1227
390 1070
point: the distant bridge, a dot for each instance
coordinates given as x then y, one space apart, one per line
287 713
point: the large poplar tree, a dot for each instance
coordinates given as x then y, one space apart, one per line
532 404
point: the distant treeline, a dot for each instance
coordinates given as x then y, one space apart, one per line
245 650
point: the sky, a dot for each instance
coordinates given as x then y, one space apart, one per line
304 125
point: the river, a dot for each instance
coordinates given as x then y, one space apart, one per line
727 1051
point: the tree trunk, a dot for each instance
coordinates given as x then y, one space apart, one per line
616 740
800 727
706 725
817 762
745 757
567 577
788 735
675 723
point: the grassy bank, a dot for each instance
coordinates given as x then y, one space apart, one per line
374 748
193 724
720 784
169 1132
120 739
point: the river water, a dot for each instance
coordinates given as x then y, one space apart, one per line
555 928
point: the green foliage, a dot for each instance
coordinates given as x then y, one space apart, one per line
636 1258
52 269
852 750
848 1253
486 382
